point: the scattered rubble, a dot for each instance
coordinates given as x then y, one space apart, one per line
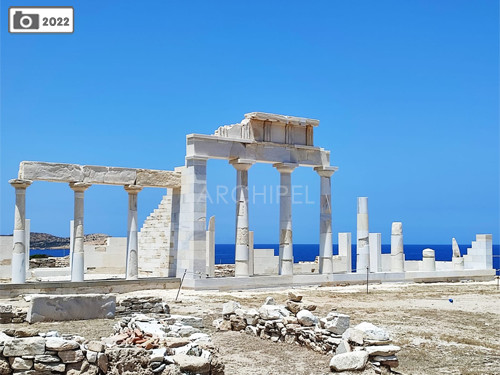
295 323
146 345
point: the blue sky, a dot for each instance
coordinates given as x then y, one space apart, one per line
406 93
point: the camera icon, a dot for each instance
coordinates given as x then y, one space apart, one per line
26 21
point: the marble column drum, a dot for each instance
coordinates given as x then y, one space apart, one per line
286 242
325 220
19 239
77 264
397 252
132 265
241 238
363 244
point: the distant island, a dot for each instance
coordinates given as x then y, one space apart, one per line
49 241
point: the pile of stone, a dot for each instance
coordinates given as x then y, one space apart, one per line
30 352
180 349
49 262
154 305
10 314
177 343
295 323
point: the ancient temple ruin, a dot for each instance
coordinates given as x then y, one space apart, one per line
174 241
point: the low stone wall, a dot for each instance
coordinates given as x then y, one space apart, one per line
143 345
142 305
50 262
352 348
11 314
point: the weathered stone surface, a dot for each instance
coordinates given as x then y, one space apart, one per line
157 178
47 358
128 361
349 361
102 362
225 325
176 342
59 344
251 316
91 356
24 346
18 363
337 323
71 307
269 301
294 297
192 321
93 174
383 350
48 367
372 332
306 318
391 360
353 335
238 323
273 312
230 307
25 332
71 356
4 367
157 355
195 365
294 307
343 347
95 346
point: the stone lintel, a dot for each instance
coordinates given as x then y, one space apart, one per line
20 184
326 171
97 175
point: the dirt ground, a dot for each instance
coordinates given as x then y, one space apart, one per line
437 336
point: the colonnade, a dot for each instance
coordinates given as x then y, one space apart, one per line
285 221
19 250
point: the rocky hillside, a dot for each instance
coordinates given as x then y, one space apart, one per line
48 241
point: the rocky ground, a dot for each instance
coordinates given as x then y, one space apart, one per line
441 328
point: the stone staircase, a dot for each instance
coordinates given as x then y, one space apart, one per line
155 245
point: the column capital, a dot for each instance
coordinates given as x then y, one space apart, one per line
285 167
326 171
242 164
20 184
79 187
132 189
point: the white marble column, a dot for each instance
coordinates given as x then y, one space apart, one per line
363 244
27 242
241 237
325 219
132 265
192 245
345 249
375 240
19 240
397 252
428 260
286 242
211 247
78 265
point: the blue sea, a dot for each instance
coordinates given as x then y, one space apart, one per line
224 253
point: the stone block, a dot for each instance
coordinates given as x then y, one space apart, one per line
29 346
71 307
